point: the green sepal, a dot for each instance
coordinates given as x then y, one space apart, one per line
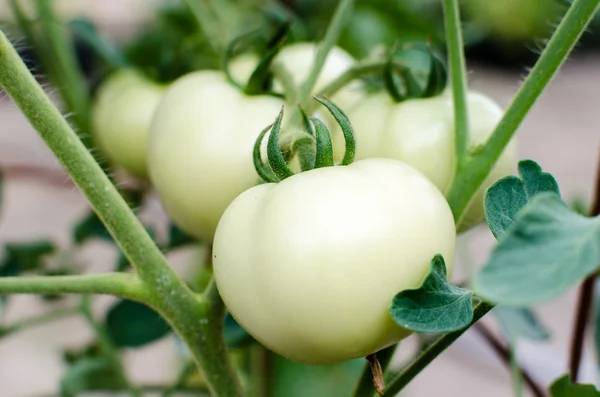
276 158
262 169
229 53
346 127
438 76
304 149
399 79
324 157
261 78
306 124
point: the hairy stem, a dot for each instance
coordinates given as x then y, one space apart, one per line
458 75
584 304
167 293
118 284
473 172
426 357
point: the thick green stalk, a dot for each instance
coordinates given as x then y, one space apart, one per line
168 294
118 284
473 172
331 37
425 358
458 76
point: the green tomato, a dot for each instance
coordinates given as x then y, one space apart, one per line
309 266
121 117
420 132
200 148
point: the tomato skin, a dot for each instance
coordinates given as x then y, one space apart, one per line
420 132
309 266
121 118
200 148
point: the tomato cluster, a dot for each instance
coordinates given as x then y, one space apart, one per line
308 265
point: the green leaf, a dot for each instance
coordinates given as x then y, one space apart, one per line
505 198
436 306
235 335
547 250
596 319
90 227
562 387
179 238
132 324
90 374
24 257
291 379
520 323
85 31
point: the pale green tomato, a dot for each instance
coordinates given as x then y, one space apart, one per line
309 266
420 132
200 148
121 117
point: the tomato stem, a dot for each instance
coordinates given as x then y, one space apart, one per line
209 22
197 321
426 357
338 22
472 173
458 75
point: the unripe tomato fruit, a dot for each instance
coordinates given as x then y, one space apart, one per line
309 266
200 148
121 117
420 132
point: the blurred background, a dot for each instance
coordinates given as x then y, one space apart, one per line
562 134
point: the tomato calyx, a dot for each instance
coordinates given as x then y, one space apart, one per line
400 79
260 81
314 148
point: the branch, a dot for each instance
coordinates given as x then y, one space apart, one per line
123 285
458 76
505 355
584 304
426 357
474 171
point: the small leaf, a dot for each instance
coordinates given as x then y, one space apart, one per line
25 257
547 250
505 198
132 324
89 374
562 387
90 227
179 238
85 30
520 323
234 334
436 306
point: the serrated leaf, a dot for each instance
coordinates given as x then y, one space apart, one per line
132 324
90 374
520 323
562 387
25 257
547 250
436 306
505 198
